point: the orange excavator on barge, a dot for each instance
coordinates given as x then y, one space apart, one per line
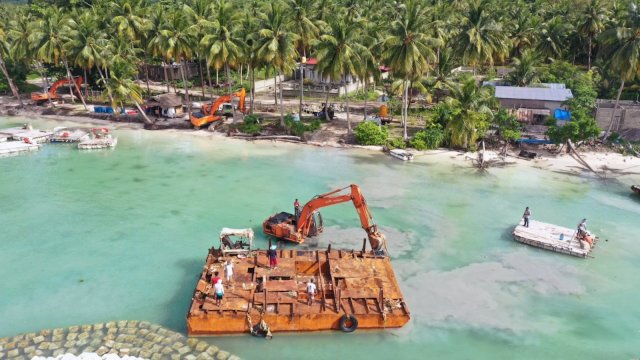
355 288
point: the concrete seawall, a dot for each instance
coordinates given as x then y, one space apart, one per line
123 338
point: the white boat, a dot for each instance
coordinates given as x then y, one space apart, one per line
101 143
401 154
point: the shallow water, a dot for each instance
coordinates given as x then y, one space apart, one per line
94 236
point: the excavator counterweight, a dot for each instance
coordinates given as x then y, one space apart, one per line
309 221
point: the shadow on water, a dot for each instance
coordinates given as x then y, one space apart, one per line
178 305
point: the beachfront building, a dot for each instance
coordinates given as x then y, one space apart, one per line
165 105
533 105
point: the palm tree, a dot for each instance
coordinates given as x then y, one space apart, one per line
469 107
178 42
4 50
481 38
121 88
50 35
337 54
276 44
222 45
523 29
307 31
621 45
83 40
524 69
553 38
593 22
154 39
409 48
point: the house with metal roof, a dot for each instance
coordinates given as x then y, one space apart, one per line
532 104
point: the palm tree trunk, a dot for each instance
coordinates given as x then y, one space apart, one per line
66 65
589 66
166 76
186 89
226 75
253 87
366 97
69 79
275 88
346 93
146 73
45 78
201 76
326 102
304 56
86 81
240 74
144 115
217 79
613 114
405 96
209 77
12 85
281 104
104 81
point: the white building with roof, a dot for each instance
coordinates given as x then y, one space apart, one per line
532 104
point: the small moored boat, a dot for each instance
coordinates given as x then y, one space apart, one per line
102 139
401 154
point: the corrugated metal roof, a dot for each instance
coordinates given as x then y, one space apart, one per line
531 93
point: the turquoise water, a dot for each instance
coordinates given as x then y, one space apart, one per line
87 237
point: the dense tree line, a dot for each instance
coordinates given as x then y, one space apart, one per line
420 40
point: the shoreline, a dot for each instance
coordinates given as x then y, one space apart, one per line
608 165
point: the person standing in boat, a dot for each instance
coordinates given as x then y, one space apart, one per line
219 290
273 257
228 270
525 216
296 207
311 292
582 228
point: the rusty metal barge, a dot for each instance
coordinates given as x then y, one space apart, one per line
355 290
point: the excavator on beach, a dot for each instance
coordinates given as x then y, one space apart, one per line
207 113
52 94
308 221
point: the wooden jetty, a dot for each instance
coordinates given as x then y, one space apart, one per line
554 238
69 136
16 147
355 289
98 143
22 133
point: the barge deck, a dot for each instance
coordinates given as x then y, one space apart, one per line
350 285
554 238
21 133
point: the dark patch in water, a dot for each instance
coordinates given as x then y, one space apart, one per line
138 180
139 166
71 170
80 280
175 212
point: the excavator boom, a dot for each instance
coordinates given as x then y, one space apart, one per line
53 91
300 228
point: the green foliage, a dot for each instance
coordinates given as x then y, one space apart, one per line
18 72
369 133
581 127
360 95
428 139
507 125
298 128
251 125
396 143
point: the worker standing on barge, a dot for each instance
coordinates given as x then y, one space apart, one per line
296 208
273 257
525 216
311 292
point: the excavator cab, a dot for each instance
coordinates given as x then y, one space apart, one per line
283 226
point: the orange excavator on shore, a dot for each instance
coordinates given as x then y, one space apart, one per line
207 114
40 97
308 221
